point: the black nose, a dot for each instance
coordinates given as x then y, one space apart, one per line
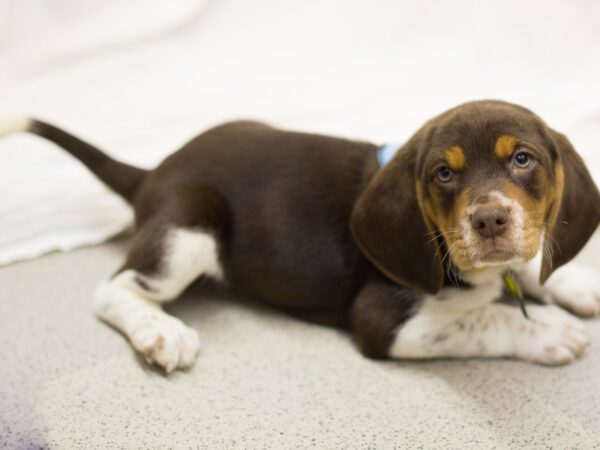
490 221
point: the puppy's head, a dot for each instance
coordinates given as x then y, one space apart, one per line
484 184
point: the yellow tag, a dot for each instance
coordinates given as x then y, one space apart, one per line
512 286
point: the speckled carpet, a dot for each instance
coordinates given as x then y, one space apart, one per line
263 380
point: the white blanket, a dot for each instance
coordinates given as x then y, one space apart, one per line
140 77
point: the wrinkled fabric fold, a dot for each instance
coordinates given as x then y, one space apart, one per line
139 78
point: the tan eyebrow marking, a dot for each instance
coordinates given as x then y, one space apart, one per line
455 157
505 146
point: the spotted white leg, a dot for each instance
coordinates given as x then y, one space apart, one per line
131 300
551 337
573 286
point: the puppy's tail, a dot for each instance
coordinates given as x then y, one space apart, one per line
121 178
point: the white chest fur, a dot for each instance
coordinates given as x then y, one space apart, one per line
418 337
469 323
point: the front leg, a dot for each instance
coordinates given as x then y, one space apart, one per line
395 322
573 286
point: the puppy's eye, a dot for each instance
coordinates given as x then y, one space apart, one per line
445 174
522 159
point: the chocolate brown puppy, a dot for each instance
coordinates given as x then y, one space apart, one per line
406 248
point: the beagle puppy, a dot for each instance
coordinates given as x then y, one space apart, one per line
405 248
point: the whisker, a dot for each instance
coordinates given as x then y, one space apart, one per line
450 232
450 269
434 238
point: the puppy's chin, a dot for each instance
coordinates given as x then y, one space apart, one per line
502 252
497 257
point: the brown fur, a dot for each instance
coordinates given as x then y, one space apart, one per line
312 224
449 225
478 128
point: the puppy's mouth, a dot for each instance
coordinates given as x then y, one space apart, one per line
498 255
500 251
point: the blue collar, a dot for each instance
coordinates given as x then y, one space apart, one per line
386 152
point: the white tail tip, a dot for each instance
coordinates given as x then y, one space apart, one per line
14 125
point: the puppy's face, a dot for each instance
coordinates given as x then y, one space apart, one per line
486 183
490 181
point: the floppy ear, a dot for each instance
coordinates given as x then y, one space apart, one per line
389 226
576 211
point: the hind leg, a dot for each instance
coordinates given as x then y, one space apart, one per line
167 255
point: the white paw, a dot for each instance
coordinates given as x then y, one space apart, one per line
576 288
552 336
166 341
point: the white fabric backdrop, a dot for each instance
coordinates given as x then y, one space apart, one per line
140 77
